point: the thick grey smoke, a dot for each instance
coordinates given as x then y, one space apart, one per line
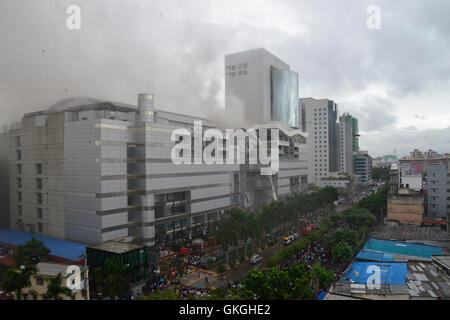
385 77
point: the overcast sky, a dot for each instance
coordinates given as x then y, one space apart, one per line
396 80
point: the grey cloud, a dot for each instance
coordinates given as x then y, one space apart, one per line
179 46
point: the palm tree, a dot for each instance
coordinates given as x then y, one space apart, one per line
16 280
113 277
54 288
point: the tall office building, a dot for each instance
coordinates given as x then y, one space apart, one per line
438 189
363 166
319 117
261 88
349 142
90 170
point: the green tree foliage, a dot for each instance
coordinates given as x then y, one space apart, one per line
342 252
15 280
55 289
358 218
113 278
31 248
376 203
298 282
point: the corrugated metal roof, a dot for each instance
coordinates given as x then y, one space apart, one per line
403 248
60 248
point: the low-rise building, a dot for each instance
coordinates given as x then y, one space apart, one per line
72 277
135 256
406 207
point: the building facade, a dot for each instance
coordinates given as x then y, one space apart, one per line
319 118
91 171
261 88
363 167
47 271
438 190
348 142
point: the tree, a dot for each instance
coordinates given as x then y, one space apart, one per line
342 252
113 277
15 280
30 249
55 289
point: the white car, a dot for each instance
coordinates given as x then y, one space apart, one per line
255 259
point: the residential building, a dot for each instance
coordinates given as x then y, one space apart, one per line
261 88
4 179
411 176
75 281
406 207
363 167
348 142
438 190
425 159
319 118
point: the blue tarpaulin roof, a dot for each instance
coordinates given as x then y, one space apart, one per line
60 248
403 248
322 295
391 273
371 255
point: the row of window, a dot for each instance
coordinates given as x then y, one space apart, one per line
38 168
38 211
38 197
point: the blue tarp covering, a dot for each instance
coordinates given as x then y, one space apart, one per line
322 295
403 248
60 248
375 256
391 273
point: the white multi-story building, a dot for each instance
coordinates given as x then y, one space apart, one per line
319 118
90 170
261 88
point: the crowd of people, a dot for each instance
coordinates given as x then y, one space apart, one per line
183 290
314 253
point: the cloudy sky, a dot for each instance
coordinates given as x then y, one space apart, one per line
396 79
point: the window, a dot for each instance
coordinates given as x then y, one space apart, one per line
19 210
38 168
39 281
19 196
18 155
39 183
39 212
19 168
17 141
39 197
39 227
19 182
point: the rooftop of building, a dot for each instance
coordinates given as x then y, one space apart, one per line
117 247
60 248
418 234
413 280
87 103
52 269
443 260
406 271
